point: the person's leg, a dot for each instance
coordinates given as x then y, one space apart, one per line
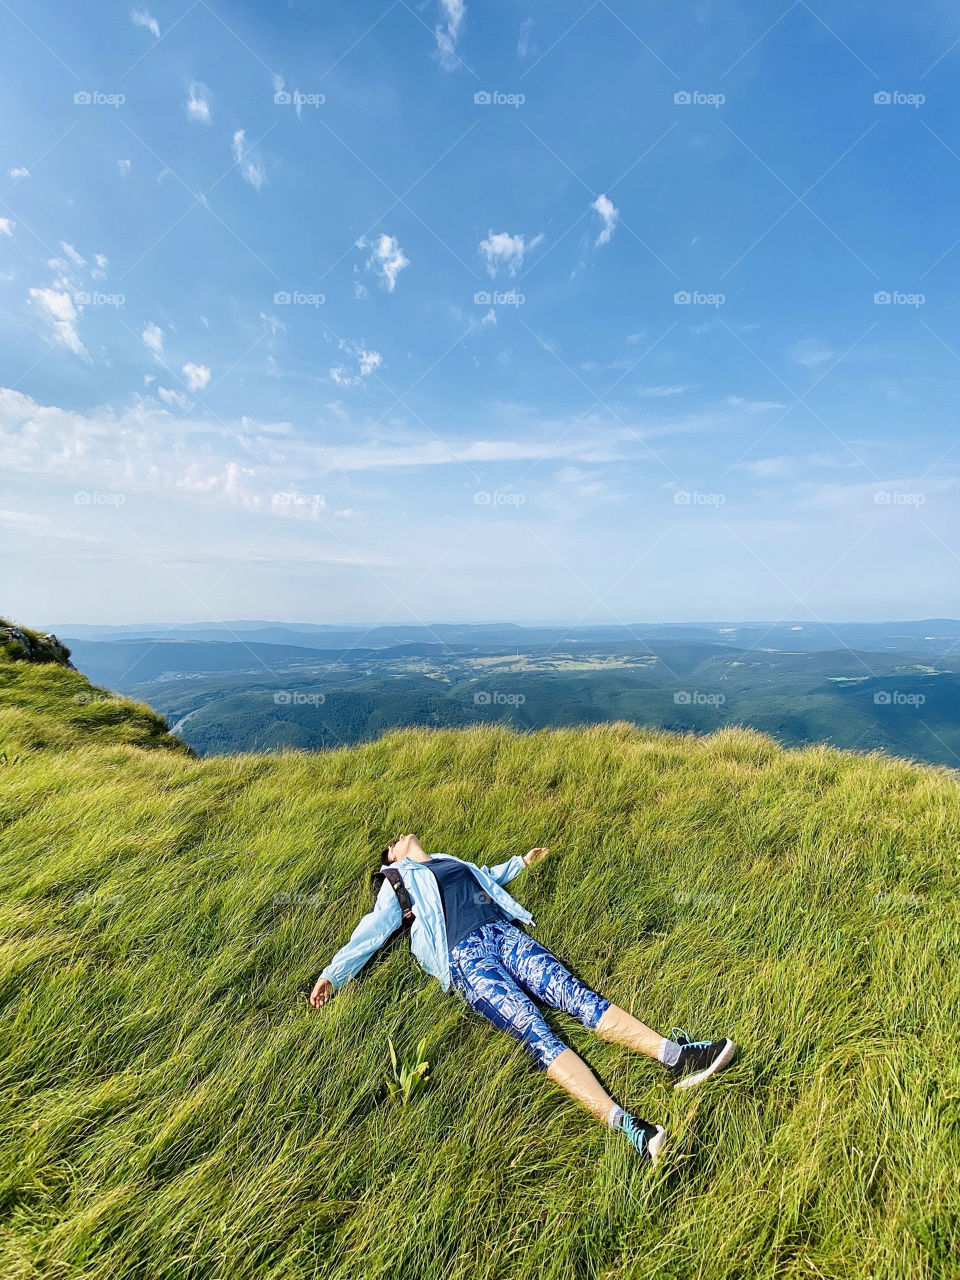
477 972
549 980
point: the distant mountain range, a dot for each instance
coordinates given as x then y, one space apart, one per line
865 686
925 635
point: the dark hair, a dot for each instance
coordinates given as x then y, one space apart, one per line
377 877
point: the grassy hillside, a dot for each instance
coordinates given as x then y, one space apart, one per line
172 1109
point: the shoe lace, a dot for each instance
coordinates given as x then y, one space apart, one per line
633 1131
683 1039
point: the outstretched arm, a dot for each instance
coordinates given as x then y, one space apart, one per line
369 935
506 871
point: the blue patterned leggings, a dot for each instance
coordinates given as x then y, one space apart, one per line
497 968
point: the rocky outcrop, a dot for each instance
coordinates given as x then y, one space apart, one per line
19 645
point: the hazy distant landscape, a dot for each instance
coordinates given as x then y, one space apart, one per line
257 686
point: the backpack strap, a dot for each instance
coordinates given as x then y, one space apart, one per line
406 906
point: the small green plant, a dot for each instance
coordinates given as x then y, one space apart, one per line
408 1081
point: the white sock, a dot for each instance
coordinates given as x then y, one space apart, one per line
668 1053
615 1116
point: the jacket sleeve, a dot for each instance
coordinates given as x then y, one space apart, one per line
369 935
506 871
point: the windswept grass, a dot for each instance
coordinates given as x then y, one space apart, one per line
172 1109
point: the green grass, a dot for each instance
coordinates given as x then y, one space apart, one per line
171 1108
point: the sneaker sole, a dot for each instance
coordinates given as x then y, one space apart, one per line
656 1144
723 1059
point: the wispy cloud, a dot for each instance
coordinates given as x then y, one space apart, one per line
6 226
364 363
447 32
811 353
141 18
609 216
56 308
19 173
525 45
152 337
247 161
503 252
198 102
386 259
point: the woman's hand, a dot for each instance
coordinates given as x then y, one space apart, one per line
534 856
321 993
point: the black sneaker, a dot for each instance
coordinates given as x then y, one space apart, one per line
647 1138
699 1059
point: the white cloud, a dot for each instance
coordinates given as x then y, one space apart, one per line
753 406
153 339
197 375
609 216
174 398
198 102
504 252
123 167
140 18
525 45
387 259
248 162
158 445
72 254
447 32
57 309
100 270
811 353
6 226
366 363
19 173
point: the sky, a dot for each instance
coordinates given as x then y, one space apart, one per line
593 312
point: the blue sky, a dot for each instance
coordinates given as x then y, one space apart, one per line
447 311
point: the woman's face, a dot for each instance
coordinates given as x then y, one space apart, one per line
402 847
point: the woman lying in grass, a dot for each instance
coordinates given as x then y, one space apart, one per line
463 933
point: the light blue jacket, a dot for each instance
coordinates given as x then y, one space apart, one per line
428 934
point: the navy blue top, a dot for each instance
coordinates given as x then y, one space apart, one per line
466 904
